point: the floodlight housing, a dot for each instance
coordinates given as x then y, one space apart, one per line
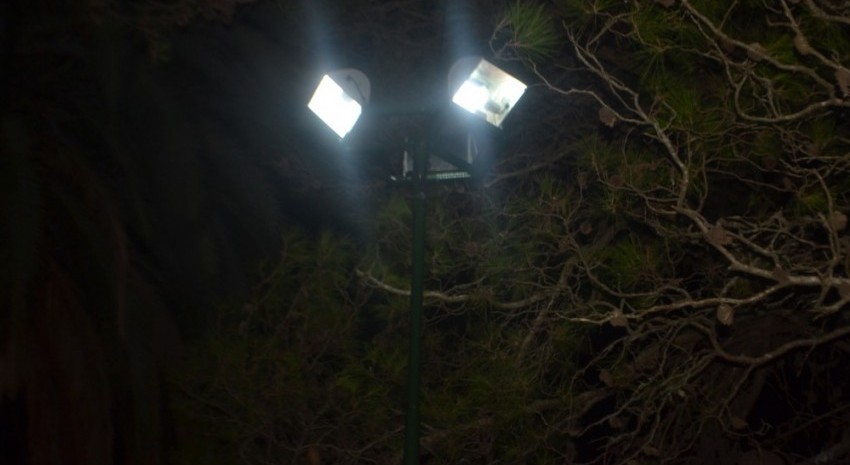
455 161
483 89
339 99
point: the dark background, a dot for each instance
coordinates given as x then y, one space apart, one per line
152 154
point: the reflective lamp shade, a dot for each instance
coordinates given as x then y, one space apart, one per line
484 89
339 99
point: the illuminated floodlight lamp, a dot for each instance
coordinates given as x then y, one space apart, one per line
339 99
483 89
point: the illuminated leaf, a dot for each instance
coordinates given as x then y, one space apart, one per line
843 290
780 275
606 378
737 422
842 77
607 117
837 221
618 320
725 314
718 235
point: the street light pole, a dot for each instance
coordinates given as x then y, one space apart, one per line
482 89
414 364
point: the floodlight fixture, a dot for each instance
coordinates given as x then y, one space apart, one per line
339 99
480 88
483 89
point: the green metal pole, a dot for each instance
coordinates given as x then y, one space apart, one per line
412 422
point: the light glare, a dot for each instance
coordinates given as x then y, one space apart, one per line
335 107
489 92
472 96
